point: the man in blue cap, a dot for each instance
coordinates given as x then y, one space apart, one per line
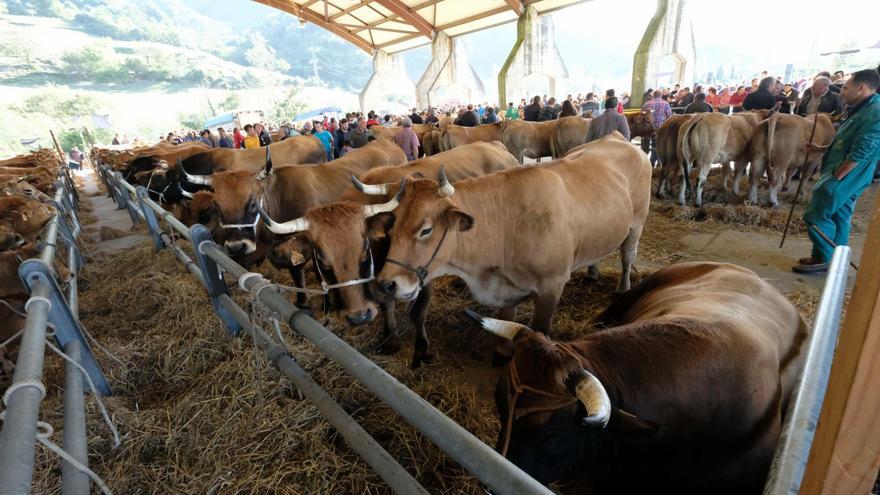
847 170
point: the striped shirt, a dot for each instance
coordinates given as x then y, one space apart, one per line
660 110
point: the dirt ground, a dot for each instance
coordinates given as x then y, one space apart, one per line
202 412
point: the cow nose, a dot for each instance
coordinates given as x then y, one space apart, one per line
358 319
235 249
387 286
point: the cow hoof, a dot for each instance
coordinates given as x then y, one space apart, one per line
386 347
420 358
593 273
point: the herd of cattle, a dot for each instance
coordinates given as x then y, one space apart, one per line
27 184
687 384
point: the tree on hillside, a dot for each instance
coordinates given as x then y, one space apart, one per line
287 106
191 120
255 51
231 102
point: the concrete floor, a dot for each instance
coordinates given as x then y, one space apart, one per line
106 215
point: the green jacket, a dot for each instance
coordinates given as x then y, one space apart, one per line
857 139
511 114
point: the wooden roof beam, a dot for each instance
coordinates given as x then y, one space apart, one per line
408 16
516 6
318 20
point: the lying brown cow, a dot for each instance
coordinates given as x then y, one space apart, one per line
350 234
520 233
778 145
456 135
567 134
527 139
681 390
286 193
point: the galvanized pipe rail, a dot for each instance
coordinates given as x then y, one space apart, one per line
495 471
793 450
46 305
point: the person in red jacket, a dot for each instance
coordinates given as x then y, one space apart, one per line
237 138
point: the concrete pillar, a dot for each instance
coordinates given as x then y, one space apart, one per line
534 55
389 85
449 73
667 54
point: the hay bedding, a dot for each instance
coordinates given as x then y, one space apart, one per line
202 412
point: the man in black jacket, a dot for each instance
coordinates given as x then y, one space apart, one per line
532 110
699 105
415 117
468 118
825 100
763 98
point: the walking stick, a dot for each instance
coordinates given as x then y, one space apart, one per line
832 244
800 184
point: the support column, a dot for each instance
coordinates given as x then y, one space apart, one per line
449 70
389 84
667 54
533 54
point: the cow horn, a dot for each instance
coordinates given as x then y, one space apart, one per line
446 188
370 210
290 227
592 394
202 180
184 191
502 328
371 189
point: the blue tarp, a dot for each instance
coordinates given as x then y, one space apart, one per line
317 113
220 119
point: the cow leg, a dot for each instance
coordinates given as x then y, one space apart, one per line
545 307
685 185
661 185
756 171
738 169
299 280
628 251
725 175
390 343
701 182
593 272
775 179
422 351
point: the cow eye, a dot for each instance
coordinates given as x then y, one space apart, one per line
426 232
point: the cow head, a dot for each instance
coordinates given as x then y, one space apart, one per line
342 236
426 223
551 409
25 216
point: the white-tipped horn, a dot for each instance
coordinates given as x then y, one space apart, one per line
592 394
502 328
370 210
183 191
446 188
371 189
202 180
291 227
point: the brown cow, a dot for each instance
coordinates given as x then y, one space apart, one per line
431 142
24 216
520 233
457 135
641 125
387 133
709 138
286 193
778 145
683 388
527 139
568 133
671 164
340 232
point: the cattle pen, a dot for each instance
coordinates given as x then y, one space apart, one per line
208 264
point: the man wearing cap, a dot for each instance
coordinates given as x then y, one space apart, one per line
847 170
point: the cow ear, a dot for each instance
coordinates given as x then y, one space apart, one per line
379 225
459 219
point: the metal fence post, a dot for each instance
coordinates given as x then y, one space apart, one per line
126 197
74 481
212 278
149 217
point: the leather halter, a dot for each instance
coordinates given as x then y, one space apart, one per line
421 271
517 389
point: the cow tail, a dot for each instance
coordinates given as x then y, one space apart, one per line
684 144
771 133
555 146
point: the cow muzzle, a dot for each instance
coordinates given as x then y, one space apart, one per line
363 317
240 247
399 287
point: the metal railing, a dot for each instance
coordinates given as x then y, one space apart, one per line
793 450
495 471
50 308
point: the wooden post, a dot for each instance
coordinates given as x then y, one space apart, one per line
845 455
58 148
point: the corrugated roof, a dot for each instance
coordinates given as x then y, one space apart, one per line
397 25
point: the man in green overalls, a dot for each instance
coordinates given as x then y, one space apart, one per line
847 170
